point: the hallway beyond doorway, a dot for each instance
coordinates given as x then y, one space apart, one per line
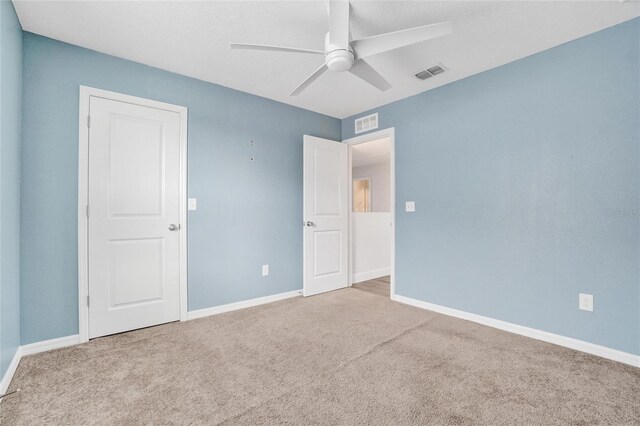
377 286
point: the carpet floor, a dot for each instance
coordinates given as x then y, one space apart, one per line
347 357
379 286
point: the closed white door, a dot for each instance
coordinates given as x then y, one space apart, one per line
326 216
134 190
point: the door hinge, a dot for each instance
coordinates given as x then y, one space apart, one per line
87 300
88 121
87 210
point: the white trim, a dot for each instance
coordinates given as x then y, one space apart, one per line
568 342
34 348
8 375
76 339
385 133
49 345
370 275
83 191
83 197
200 313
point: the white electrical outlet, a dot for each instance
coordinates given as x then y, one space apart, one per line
410 206
265 270
586 302
193 203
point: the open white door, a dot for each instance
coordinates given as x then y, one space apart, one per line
326 216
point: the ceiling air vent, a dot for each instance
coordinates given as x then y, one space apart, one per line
367 123
430 72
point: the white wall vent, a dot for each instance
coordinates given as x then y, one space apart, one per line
367 123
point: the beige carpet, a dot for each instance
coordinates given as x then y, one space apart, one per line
346 357
379 286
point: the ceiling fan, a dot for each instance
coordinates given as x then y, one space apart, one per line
343 54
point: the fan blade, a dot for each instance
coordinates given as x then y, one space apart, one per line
274 48
317 73
339 23
384 42
363 70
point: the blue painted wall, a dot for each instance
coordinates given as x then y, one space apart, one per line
249 212
10 95
526 181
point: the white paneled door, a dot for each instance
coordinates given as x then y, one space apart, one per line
326 216
133 216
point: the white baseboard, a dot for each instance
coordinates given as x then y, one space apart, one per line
568 342
369 275
200 313
8 375
47 345
34 348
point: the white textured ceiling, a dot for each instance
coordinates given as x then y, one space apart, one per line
192 38
369 153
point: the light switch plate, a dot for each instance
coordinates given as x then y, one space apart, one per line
193 203
410 206
586 302
265 270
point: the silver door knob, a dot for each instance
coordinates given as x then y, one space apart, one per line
309 223
174 227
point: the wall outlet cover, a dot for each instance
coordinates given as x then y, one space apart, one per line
410 206
265 270
586 302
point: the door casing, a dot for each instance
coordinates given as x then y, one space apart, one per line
391 134
83 193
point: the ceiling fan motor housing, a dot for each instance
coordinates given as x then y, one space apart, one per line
337 58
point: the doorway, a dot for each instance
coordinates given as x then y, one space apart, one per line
328 223
372 212
132 213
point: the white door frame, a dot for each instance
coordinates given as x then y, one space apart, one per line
391 134
83 197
